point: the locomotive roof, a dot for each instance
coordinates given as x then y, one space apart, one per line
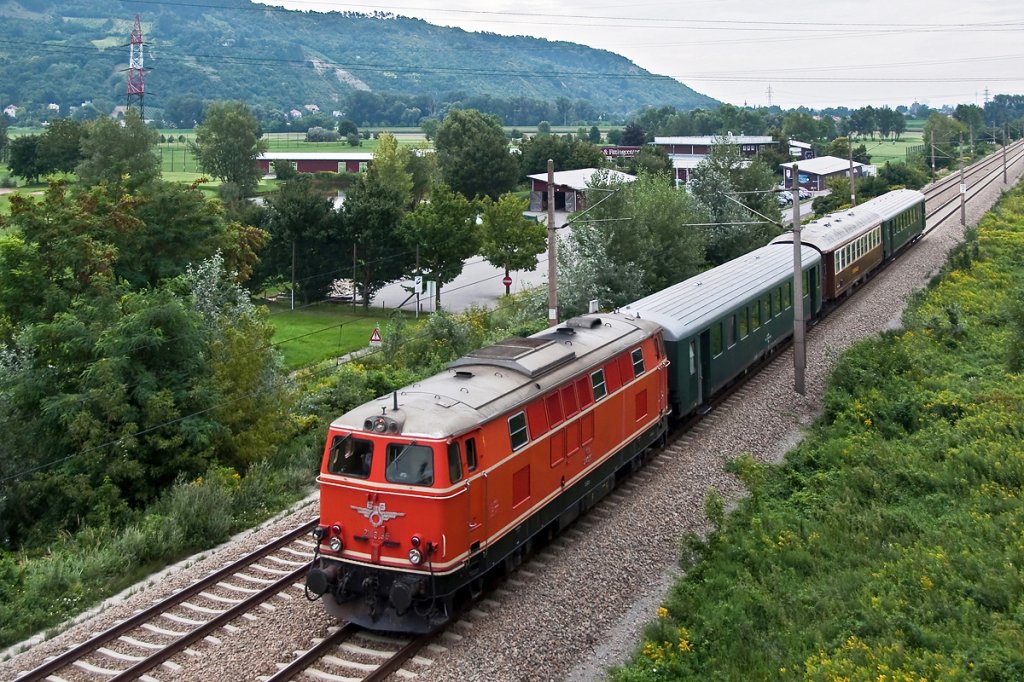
685 308
832 231
493 380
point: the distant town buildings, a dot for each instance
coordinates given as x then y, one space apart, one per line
570 187
11 111
687 152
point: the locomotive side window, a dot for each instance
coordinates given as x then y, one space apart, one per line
517 431
350 456
638 361
471 454
409 463
454 463
597 381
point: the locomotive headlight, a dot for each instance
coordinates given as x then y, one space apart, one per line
319 532
336 544
415 556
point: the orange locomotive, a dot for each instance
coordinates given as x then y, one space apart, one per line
426 492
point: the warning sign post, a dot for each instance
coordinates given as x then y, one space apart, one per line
375 339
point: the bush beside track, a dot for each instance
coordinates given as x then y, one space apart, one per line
889 544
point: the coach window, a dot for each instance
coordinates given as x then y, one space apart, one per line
716 339
471 454
807 282
766 307
638 362
755 316
693 357
454 463
517 431
730 331
787 295
777 300
350 457
743 323
409 463
597 382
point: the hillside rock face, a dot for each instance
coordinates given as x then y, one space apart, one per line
67 52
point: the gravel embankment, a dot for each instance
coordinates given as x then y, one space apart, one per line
580 605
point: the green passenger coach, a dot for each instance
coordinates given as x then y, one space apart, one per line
717 324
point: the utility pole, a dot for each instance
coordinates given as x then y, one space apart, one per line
853 190
137 71
933 152
1005 141
293 274
963 185
418 281
799 349
552 266
354 266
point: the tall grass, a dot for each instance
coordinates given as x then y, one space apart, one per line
888 545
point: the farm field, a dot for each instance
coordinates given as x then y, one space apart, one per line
889 150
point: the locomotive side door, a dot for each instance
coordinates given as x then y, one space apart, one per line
476 487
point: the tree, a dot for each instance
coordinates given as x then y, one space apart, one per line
119 155
634 135
347 127
594 135
971 116
567 154
944 133
304 229
636 241
446 233
429 125
390 167
543 129
184 111
23 158
653 160
5 141
60 145
507 239
472 153
370 217
801 126
228 143
740 198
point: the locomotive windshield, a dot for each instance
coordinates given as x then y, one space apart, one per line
350 456
409 463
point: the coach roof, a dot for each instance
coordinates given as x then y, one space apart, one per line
686 308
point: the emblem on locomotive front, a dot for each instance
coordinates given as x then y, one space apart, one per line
377 514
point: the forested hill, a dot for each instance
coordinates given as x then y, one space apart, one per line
69 51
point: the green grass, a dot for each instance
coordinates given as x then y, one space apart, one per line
309 335
888 544
887 150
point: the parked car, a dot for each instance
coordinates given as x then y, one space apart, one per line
804 193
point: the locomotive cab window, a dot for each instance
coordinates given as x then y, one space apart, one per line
471 454
517 431
409 463
638 362
350 456
454 463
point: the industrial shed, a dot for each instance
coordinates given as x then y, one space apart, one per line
570 188
814 173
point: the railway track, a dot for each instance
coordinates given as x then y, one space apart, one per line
943 197
156 635
351 653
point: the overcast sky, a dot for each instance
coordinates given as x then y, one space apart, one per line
826 53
